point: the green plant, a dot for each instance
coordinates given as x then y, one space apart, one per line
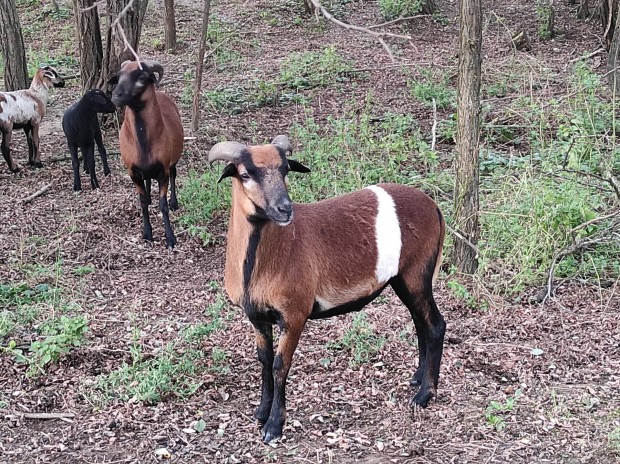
460 291
613 439
392 9
429 87
84 270
219 359
361 340
544 10
306 70
495 412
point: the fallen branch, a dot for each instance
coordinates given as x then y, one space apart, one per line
434 127
599 238
47 415
588 56
36 194
318 8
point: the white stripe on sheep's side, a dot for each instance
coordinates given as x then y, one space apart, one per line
387 235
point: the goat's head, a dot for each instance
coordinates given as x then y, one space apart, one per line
133 80
99 101
261 171
49 76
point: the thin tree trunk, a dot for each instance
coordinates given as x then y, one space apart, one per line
89 42
466 207
428 7
12 47
200 66
583 11
613 60
170 31
115 50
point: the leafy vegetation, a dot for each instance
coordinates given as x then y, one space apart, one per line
360 340
392 9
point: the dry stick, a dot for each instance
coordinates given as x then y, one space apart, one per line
576 246
200 66
590 55
377 35
434 127
460 236
47 415
36 194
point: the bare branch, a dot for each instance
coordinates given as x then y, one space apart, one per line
434 127
318 8
36 194
398 20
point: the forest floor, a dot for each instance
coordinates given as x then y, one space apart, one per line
520 381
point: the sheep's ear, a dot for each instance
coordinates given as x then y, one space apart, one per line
113 80
296 166
229 171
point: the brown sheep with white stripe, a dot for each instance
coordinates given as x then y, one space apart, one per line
287 263
24 109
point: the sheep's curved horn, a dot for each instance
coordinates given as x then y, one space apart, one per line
282 142
124 63
155 67
226 151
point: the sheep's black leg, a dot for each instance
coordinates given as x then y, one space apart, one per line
430 328
6 153
147 184
75 164
101 148
89 159
147 230
264 348
281 366
37 152
28 132
163 180
174 204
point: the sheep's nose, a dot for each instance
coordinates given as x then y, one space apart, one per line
284 207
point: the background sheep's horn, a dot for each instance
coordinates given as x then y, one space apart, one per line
282 142
226 151
155 67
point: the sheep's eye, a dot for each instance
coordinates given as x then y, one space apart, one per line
245 176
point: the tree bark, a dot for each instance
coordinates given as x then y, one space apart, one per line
613 60
115 50
170 31
428 7
200 66
12 47
607 11
583 11
466 206
89 43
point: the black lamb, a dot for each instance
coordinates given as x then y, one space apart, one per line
82 130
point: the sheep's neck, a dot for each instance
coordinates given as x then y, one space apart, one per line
39 90
139 115
240 233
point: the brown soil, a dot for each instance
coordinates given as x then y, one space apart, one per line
568 403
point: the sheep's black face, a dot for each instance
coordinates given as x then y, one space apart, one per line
130 87
100 102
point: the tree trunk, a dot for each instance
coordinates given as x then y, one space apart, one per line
115 50
583 11
606 12
89 43
468 129
12 47
428 7
170 31
613 61
200 66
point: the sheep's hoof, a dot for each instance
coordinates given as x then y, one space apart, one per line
106 172
261 415
171 242
77 188
174 204
416 380
271 432
15 170
38 165
422 398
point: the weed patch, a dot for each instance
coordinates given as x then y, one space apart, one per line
360 340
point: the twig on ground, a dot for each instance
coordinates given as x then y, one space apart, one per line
589 55
36 194
47 415
434 127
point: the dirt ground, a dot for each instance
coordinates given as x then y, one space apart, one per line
566 400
